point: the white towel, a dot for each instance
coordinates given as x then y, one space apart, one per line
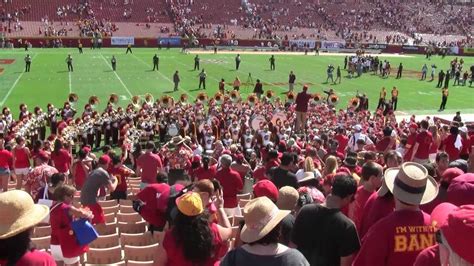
458 142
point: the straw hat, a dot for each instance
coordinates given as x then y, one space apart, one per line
261 215
411 183
307 176
177 140
19 213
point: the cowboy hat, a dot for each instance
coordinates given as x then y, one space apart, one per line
411 183
307 176
261 215
19 213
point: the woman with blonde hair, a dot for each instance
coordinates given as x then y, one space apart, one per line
436 142
329 172
308 166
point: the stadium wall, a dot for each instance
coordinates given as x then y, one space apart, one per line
153 42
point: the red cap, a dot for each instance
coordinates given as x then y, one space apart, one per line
196 158
458 230
266 188
86 149
104 160
451 173
413 125
461 190
440 213
42 155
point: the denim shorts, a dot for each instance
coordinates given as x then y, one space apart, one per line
4 171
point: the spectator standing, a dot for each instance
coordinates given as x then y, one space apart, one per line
231 183
6 164
21 161
40 176
302 100
148 165
282 176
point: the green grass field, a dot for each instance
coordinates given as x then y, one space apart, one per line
49 80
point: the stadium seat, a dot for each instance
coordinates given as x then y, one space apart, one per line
110 218
108 203
132 228
106 241
243 202
129 217
42 231
113 209
245 196
109 229
104 256
236 220
123 202
126 209
42 243
141 253
137 239
140 263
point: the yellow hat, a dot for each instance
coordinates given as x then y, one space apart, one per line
190 204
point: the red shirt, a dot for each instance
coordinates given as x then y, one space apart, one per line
6 159
121 173
33 258
175 253
424 140
80 174
200 173
61 231
231 185
428 257
61 160
21 158
383 144
155 196
150 164
342 140
375 209
410 141
396 239
448 144
357 206
301 101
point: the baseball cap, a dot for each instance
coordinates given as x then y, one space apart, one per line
190 204
287 198
104 160
457 227
357 127
413 125
42 155
266 188
451 173
196 159
461 190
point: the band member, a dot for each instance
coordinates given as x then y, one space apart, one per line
258 90
27 63
394 98
67 111
444 98
202 79
196 62
237 62
79 46
129 48
176 80
52 118
113 61
383 94
70 68
291 81
156 61
272 62
23 112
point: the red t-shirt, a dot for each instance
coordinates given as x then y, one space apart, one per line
21 158
200 173
150 164
428 257
231 185
448 144
342 140
61 160
383 144
410 141
33 258
466 147
61 231
121 173
155 196
424 140
79 174
301 101
6 159
175 253
375 209
356 208
396 239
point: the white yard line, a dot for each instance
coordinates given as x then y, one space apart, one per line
161 74
118 77
14 84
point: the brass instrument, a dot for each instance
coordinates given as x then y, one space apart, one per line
167 101
218 97
136 102
252 99
317 98
333 99
183 98
354 102
234 96
202 97
290 97
72 99
269 94
93 101
149 99
113 99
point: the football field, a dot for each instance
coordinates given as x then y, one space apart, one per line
50 82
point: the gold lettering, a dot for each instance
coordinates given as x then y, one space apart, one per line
400 243
414 245
427 240
412 229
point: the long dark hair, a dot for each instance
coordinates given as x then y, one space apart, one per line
194 236
58 145
13 248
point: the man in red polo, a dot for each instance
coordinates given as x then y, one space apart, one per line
421 149
231 185
302 100
148 165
